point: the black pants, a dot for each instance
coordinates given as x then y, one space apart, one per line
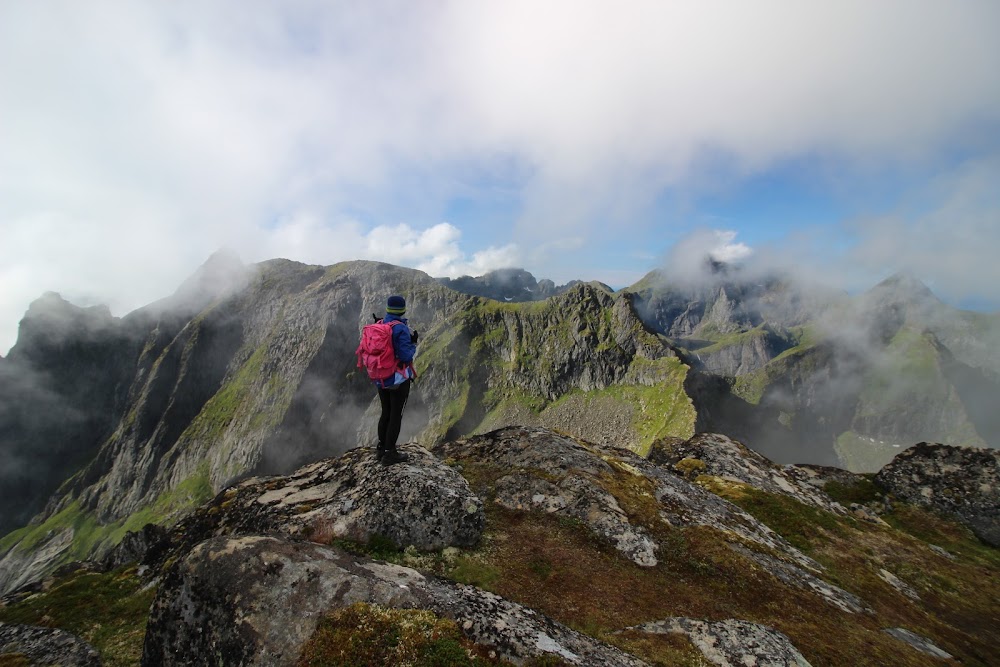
393 401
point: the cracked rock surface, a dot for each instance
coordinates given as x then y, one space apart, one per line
45 646
732 460
556 473
422 503
256 600
733 643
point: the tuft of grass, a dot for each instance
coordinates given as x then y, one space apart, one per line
663 650
862 491
369 635
108 610
477 572
15 660
800 524
690 467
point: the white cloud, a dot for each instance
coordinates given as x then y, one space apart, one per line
687 260
951 243
140 137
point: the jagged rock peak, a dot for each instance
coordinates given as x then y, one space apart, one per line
904 285
51 319
509 284
221 274
963 482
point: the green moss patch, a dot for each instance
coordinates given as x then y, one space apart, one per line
800 524
863 491
363 634
107 610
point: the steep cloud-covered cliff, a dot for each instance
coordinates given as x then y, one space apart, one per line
252 370
805 374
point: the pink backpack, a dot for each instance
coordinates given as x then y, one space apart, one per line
375 352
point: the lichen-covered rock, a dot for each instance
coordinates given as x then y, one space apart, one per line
721 456
256 600
897 583
551 472
960 481
921 644
46 646
555 473
819 476
422 503
798 577
732 642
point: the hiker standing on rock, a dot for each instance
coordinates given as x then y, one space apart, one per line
386 350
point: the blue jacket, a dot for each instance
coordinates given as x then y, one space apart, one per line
405 350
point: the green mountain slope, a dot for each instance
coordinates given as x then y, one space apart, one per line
263 378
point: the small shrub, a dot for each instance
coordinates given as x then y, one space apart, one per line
690 467
363 635
862 492
382 548
473 572
796 522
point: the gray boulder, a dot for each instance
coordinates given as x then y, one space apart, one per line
962 482
422 503
45 646
257 600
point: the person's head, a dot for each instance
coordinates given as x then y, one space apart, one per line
396 305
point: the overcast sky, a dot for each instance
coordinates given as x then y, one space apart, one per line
576 138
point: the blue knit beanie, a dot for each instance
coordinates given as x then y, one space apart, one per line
396 305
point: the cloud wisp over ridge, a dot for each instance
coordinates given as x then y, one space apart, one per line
139 138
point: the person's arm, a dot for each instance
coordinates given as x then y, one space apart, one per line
405 348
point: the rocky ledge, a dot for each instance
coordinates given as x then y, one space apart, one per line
422 503
30 645
247 578
544 471
962 482
257 600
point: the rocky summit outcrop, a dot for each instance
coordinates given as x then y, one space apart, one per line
423 504
244 587
961 482
516 539
625 498
256 600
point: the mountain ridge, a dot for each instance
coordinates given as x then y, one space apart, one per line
538 546
248 370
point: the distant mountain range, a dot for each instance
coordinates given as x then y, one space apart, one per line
508 285
109 423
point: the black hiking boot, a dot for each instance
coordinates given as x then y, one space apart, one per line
379 452
393 455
